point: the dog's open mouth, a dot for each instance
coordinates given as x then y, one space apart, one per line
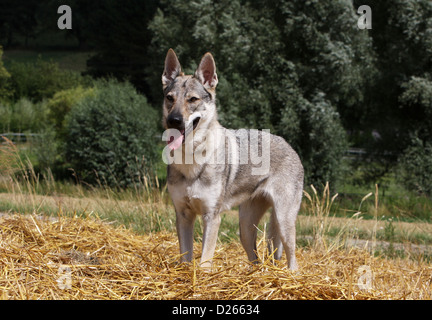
178 137
195 122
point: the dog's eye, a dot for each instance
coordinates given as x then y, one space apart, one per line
170 98
193 99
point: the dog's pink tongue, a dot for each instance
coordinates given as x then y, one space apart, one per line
175 142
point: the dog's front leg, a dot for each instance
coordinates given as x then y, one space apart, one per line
185 225
211 223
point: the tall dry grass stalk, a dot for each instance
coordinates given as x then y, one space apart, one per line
18 174
323 216
320 209
351 228
374 231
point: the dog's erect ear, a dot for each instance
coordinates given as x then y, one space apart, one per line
172 68
206 72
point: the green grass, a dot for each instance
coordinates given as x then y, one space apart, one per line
394 202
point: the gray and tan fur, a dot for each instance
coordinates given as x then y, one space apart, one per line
209 188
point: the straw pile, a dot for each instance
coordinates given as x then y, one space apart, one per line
75 258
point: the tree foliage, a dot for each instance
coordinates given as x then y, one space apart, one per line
22 115
4 79
41 79
274 63
402 42
121 38
415 167
300 68
61 104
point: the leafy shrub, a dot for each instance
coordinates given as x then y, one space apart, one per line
22 116
49 145
323 142
5 117
416 104
47 151
111 135
61 104
41 79
415 167
415 163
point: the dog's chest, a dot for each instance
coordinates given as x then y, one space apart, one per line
202 198
197 195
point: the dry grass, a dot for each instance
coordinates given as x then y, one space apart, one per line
76 258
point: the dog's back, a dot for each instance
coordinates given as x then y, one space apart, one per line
265 169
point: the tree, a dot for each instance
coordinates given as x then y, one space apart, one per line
120 39
4 80
42 79
292 67
83 28
415 162
330 53
416 105
18 18
415 167
402 41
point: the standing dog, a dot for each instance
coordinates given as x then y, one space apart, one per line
216 168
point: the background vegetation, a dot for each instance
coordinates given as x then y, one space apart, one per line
356 104
110 135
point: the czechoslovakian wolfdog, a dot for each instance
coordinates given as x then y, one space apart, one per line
211 169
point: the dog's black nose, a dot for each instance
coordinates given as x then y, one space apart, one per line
175 120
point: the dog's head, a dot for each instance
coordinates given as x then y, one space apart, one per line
189 100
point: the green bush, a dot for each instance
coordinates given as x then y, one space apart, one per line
22 116
47 152
41 79
416 104
415 167
415 163
5 117
111 135
61 104
49 145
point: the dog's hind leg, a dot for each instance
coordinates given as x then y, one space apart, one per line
274 241
250 213
285 215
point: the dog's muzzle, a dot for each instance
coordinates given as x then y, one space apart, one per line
175 121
